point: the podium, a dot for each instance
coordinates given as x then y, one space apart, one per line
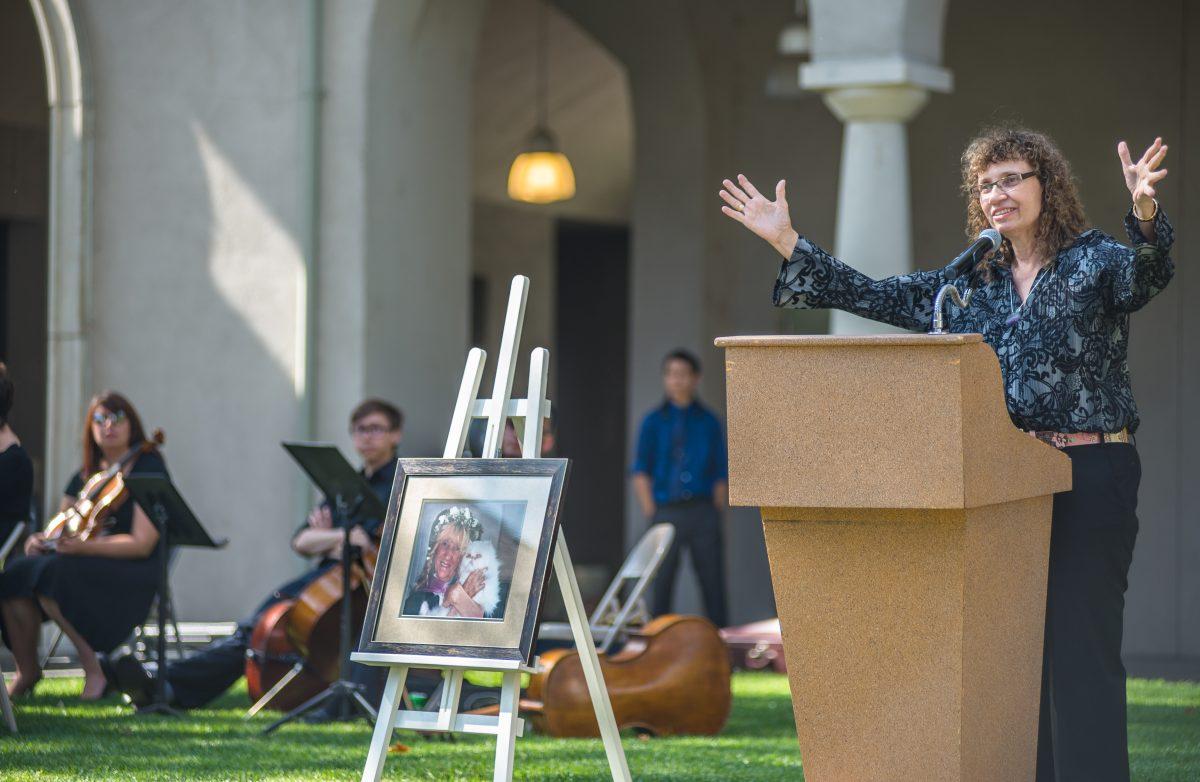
908 529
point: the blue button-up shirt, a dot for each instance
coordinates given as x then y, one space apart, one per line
1063 353
682 450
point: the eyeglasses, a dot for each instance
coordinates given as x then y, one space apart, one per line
1005 183
100 419
369 430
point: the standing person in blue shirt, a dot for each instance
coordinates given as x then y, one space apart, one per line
681 477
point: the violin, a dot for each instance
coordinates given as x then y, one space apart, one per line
103 493
671 677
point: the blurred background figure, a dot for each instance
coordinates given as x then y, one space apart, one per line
681 478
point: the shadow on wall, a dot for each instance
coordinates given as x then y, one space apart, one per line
196 266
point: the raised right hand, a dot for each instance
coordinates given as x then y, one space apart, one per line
767 219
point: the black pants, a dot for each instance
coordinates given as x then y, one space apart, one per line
698 527
1081 730
201 677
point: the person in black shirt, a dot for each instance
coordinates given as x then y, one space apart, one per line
377 427
96 590
1054 302
16 468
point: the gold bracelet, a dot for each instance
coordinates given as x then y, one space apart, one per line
1152 214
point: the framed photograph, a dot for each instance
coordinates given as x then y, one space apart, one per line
464 558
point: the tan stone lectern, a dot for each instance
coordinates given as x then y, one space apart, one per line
908 528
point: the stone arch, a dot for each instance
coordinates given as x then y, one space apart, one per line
69 245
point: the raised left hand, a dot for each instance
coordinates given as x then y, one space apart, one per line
1142 176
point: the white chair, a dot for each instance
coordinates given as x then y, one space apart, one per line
5 703
612 616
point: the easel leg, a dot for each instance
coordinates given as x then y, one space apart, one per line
452 680
506 727
384 724
6 706
617 763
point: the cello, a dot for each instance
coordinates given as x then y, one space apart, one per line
271 656
305 630
103 493
671 677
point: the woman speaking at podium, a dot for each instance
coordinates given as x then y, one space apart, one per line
1054 302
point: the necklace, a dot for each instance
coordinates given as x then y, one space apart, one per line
1017 310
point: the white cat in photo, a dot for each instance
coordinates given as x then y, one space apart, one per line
479 554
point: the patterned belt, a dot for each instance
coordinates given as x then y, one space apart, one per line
1068 439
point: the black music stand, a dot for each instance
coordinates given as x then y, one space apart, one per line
177 526
349 497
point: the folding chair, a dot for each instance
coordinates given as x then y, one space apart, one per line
612 617
5 703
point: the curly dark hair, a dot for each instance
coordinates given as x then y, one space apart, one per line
1062 218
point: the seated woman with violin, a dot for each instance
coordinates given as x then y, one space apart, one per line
376 426
94 571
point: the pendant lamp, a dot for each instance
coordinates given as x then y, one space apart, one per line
541 174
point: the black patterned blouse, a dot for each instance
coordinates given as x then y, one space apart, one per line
1062 353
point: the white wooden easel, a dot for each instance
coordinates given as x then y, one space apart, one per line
528 415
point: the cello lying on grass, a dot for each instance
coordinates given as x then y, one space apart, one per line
671 677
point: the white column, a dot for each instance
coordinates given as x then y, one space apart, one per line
874 232
876 62
69 235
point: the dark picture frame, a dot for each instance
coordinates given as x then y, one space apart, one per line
425 490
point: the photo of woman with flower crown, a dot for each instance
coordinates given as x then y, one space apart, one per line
462 563
464 558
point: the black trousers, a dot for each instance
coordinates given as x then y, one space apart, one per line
1081 730
201 677
698 528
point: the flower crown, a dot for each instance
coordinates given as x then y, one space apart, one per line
459 517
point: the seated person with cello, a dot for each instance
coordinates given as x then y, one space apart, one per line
376 426
94 570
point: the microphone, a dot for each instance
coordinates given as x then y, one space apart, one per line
987 241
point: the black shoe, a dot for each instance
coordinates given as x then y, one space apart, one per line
132 680
110 676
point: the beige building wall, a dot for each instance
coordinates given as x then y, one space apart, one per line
205 216
216 184
198 262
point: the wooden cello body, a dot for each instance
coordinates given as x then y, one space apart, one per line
307 628
672 677
314 623
272 655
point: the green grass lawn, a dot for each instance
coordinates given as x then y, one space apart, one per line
63 739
